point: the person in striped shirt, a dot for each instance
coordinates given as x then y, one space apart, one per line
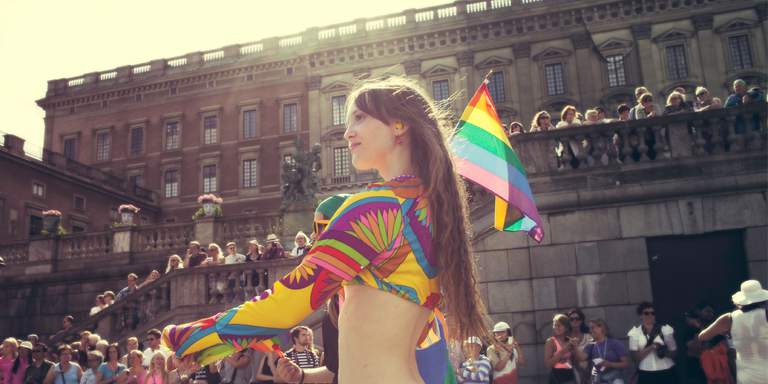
477 368
302 353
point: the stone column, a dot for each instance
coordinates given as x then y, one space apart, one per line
297 217
205 230
706 53
525 95
642 34
122 239
314 122
588 83
466 76
43 255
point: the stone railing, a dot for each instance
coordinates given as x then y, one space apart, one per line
181 296
247 227
86 245
529 16
164 237
648 141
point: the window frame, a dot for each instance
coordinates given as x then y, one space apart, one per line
204 138
622 69
342 113
105 132
178 123
684 48
44 189
164 176
64 140
142 148
74 202
253 174
447 86
205 186
283 106
339 166
750 51
502 75
563 77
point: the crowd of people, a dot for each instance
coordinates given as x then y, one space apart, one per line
678 101
94 360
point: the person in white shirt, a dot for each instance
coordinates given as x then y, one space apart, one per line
748 327
301 245
653 347
94 361
232 256
504 355
100 304
153 340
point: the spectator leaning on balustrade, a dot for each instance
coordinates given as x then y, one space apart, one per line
541 122
232 256
195 255
174 263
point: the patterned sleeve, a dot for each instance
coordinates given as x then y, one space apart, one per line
361 230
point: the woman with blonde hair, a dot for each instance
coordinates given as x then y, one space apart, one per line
568 117
174 263
558 351
398 249
675 104
541 122
135 374
215 257
157 373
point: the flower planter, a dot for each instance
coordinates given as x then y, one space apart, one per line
208 208
126 218
51 223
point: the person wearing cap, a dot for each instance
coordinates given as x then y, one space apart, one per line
233 257
274 248
37 371
748 327
477 368
504 355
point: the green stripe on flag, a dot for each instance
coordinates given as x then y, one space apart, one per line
490 143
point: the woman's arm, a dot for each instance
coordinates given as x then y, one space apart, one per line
259 374
49 377
721 326
341 252
621 364
551 357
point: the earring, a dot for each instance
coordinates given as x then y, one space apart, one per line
398 125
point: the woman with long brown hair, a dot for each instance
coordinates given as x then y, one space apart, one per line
400 248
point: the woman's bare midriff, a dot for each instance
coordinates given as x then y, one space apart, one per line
378 332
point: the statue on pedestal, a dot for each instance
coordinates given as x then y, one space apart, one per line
299 176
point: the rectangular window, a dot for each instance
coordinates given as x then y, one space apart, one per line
209 178
78 227
38 189
616 76
741 53
103 141
79 203
171 183
496 87
440 90
340 161
172 135
677 66
137 140
338 103
290 118
70 148
555 81
249 124
35 225
210 129
249 173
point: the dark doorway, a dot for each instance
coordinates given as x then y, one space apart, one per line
35 225
687 270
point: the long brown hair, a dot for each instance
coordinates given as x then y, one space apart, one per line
398 98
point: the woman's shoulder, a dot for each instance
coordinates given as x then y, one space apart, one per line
635 331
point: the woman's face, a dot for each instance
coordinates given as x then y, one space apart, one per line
370 141
213 251
543 121
158 361
93 362
8 348
675 101
472 349
557 328
114 354
575 320
570 115
174 263
136 360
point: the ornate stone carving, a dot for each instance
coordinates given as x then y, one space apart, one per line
641 31
299 176
465 58
314 82
702 22
582 40
412 67
521 50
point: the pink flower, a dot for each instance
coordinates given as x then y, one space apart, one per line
209 198
52 212
128 208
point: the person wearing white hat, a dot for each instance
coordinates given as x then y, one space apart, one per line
748 327
504 355
477 368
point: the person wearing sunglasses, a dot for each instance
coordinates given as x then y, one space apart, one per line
37 371
579 333
653 347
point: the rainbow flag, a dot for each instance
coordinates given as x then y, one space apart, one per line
484 155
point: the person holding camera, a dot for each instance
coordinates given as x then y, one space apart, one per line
653 347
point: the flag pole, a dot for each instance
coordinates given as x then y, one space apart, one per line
487 76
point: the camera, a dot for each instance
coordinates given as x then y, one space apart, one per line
661 351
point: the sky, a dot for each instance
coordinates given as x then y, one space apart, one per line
52 39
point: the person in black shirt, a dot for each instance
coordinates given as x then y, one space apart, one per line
37 371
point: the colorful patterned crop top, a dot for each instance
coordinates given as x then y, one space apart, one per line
380 238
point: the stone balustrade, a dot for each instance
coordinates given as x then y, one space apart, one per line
164 237
181 296
86 245
658 140
527 16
